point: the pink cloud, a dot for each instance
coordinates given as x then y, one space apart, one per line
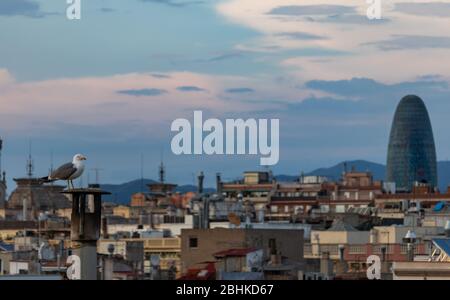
95 101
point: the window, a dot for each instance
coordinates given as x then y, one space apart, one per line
193 242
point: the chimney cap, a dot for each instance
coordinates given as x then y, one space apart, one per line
410 237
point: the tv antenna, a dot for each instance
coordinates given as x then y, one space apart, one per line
30 166
142 172
97 174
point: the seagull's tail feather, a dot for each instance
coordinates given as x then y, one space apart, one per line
46 179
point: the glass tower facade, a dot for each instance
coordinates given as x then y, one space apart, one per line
411 151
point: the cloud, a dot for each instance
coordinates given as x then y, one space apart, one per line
366 87
160 76
308 10
26 8
399 42
190 89
5 78
301 36
433 9
142 92
430 77
225 56
174 3
107 10
350 19
352 40
241 90
99 101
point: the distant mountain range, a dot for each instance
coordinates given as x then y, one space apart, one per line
335 172
121 193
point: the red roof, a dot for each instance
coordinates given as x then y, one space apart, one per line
207 273
234 252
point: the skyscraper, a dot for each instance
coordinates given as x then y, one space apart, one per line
411 151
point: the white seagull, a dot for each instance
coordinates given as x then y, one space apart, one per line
68 171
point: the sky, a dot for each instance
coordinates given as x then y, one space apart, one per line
110 85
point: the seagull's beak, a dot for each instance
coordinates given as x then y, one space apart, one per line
83 157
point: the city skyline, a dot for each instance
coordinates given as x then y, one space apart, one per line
327 72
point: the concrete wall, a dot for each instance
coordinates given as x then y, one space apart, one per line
210 241
421 271
16 266
340 237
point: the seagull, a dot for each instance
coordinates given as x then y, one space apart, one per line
68 171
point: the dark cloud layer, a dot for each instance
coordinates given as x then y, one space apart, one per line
301 36
326 13
107 10
432 9
240 90
160 76
142 92
225 56
174 3
400 42
190 89
308 10
20 8
364 87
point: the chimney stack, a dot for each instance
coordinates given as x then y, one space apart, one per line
218 184
201 177
105 227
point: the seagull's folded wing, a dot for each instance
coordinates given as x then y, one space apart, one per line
64 172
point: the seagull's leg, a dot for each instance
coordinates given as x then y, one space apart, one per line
68 184
71 182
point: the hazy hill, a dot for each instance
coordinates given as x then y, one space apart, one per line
335 172
121 193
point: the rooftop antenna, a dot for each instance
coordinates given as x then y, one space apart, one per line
51 165
51 161
161 170
97 175
1 148
142 172
30 167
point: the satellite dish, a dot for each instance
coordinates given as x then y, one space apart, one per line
234 219
254 259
